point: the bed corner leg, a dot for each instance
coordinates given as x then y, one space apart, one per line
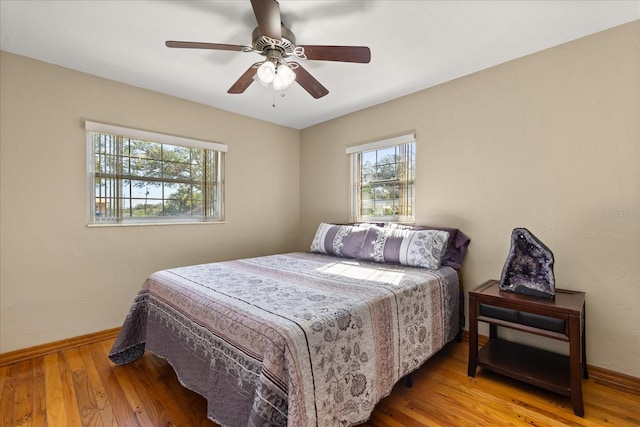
409 381
460 330
460 314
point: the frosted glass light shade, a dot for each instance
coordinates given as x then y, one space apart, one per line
284 77
267 72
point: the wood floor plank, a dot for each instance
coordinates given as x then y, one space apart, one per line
135 391
39 393
452 407
85 399
3 375
6 397
508 399
81 387
196 404
607 402
545 403
166 395
415 414
192 403
122 412
69 392
382 419
55 398
4 417
103 404
23 392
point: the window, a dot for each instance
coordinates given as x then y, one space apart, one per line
141 177
383 180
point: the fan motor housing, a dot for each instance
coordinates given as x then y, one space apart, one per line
262 43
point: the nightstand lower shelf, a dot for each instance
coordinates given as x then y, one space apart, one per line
528 364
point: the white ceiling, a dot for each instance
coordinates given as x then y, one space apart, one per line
414 44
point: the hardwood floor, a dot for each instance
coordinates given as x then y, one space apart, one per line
81 387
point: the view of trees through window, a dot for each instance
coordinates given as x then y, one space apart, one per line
386 181
142 179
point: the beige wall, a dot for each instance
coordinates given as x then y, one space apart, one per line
61 279
550 142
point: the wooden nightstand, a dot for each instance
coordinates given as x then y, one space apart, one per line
562 318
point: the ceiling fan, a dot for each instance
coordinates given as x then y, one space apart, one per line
277 43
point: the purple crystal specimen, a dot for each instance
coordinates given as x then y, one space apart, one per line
529 266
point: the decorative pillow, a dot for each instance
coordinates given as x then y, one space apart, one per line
456 246
417 248
340 240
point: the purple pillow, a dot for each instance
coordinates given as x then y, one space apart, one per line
340 240
457 244
402 245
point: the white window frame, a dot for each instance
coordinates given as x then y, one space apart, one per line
406 214
213 212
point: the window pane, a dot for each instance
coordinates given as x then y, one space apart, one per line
385 189
367 192
369 157
126 188
197 164
145 167
144 179
176 170
387 155
176 191
107 164
146 208
178 199
146 189
177 162
126 207
368 207
368 173
386 172
145 149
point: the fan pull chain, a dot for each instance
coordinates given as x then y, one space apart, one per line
273 95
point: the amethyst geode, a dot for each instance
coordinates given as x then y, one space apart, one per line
529 266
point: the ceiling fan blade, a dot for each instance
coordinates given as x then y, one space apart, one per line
244 81
268 16
308 82
199 45
360 54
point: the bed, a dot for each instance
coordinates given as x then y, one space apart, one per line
307 338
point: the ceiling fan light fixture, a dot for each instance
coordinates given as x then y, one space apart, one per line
284 77
273 40
266 72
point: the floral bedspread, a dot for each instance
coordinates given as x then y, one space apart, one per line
297 339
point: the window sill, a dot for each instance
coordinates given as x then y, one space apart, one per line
146 224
